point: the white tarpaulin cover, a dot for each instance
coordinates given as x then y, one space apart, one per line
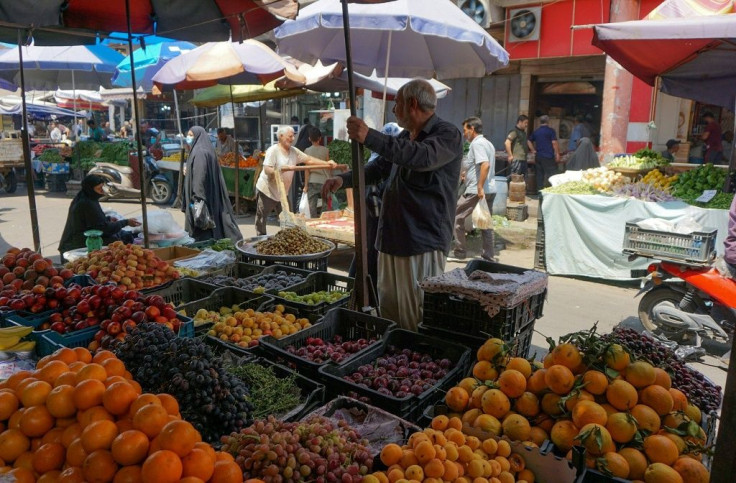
584 234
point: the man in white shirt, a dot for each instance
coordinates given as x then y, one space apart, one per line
55 134
284 156
479 168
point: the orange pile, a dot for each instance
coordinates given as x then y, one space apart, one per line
82 418
444 453
572 404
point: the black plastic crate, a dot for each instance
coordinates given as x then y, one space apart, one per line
312 392
287 270
372 423
454 314
235 270
540 230
225 297
539 261
316 282
349 324
257 305
520 342
315 265
182 291
403 407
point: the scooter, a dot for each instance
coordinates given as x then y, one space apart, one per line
122 184
687 302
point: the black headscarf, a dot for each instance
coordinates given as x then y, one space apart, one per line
85 213
204 181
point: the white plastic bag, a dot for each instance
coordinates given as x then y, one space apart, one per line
160 221
304 205
482 219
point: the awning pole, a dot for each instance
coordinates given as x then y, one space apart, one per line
139 136
237 156
180 178
27 151
362 300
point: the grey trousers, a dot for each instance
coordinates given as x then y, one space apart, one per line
314 193
465 206
399 295
264 207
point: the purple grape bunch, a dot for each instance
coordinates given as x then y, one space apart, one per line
699 391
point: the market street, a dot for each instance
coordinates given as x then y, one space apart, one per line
572 304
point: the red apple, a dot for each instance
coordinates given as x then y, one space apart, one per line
58 327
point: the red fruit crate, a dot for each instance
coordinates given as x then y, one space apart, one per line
404 407
348 324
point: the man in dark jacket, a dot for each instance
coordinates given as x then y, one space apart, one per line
422 169
85 213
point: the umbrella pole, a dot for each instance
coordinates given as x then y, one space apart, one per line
385 78
74 100
237 157
178 203
27 151
144 215
362 300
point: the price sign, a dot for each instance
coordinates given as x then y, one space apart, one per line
707 196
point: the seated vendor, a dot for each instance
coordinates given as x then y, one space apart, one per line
85 213
673 145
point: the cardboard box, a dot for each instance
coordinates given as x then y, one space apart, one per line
172 254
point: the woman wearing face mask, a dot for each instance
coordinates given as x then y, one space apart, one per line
85 213
204 182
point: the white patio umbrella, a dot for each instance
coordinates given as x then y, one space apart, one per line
402 38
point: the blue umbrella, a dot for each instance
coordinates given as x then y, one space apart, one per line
147 62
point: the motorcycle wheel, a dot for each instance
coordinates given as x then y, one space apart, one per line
160 192
649 302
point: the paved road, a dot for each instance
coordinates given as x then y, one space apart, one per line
572 304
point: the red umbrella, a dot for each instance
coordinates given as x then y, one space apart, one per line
56 22
77 22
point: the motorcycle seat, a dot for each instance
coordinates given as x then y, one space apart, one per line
121 169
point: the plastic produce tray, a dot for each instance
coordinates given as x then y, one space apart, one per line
520 342
403 407
698 247
226 297
235 270
259 306
346 323
182 291
314 265
312 392
467 318
50 341
289 271
374 424
316 282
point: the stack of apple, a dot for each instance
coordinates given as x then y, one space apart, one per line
24 269
129 266
135 309
115 310
41 299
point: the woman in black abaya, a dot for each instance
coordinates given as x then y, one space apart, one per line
204 181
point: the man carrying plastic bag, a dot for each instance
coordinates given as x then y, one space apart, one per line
479 168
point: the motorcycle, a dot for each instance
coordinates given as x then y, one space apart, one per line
686 302
124 184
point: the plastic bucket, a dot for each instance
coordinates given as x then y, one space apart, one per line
502 192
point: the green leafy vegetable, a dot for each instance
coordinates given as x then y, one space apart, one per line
269 394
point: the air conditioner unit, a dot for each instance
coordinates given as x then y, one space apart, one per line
478 10
524 24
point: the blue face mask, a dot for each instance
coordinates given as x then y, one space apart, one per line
153 140
190 140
